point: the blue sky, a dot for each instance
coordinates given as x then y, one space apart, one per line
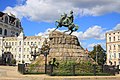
94 17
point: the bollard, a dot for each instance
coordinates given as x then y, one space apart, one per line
94 71
73 70
51 69
117 69
113 71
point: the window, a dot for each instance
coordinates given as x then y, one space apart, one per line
110 47
12 49
31 43
15 43
17 23
23 56
24 43
114 55
119 55
109 39
15 49
20 43
0 30
27 49
38 43
6 43
17 34
27 56
114 62
114 38
118 38
19 56
110 56
5 32
9 43
28 43
118 47
6 19
19 49
12 43
114 47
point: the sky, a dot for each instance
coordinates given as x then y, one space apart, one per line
94 17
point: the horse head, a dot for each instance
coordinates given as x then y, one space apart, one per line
76 27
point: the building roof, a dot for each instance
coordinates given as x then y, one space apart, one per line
12 18
112 31
1 14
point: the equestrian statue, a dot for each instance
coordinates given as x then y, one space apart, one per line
67 21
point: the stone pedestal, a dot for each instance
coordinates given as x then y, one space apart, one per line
64 47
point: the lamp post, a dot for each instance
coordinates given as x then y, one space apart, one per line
33 52
45 51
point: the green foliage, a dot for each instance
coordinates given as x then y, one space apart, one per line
13 61
82 68
81 74
32 67
101 54
67 67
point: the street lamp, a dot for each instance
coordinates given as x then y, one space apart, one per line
33 52
45 51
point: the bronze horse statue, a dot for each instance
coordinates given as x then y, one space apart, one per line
67 21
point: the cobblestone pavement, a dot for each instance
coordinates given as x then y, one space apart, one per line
11 73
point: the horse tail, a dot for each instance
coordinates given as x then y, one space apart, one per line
56 23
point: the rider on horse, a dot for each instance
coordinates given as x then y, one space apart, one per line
67 21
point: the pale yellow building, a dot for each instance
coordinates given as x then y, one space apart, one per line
113 47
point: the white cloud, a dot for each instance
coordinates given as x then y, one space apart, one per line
50 10
46 33
90 46
96 32
117 27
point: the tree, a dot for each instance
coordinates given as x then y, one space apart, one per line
100 53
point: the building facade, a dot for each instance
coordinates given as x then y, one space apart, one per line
113 47
14 44
9 25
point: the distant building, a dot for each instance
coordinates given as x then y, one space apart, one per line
113 47
13 43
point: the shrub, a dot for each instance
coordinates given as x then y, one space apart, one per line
13 61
